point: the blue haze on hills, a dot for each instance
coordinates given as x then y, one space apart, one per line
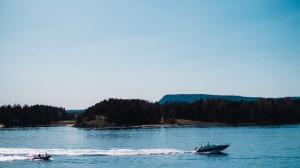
76 111
189 98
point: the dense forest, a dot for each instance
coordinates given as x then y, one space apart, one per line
137 112
133 112
17 115
269 111
123 112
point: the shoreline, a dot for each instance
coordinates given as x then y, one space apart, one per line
152 126
179 123
54 124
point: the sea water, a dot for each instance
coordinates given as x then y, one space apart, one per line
250 146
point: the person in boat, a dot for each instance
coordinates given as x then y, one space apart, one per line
46 154
39 155
207 143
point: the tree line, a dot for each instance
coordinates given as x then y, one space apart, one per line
123 112
269 111
136 111
17 115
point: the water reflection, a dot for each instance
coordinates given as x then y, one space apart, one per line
218 154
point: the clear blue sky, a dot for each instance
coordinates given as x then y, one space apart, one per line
74 53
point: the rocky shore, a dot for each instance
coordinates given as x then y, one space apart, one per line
101 123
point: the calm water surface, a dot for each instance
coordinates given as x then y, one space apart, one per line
250 146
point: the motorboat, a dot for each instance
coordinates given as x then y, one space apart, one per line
44 157
210 148
39 157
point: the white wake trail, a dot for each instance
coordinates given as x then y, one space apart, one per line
11 158
8 154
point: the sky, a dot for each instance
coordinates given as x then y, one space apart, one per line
74 53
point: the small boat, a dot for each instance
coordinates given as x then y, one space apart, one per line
40 157
210 148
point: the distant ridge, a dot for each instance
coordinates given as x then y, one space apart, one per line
189 98
75 111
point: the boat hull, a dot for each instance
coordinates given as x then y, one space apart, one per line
212 149
41 157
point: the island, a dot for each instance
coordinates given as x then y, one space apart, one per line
135 113
171 110
36 115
